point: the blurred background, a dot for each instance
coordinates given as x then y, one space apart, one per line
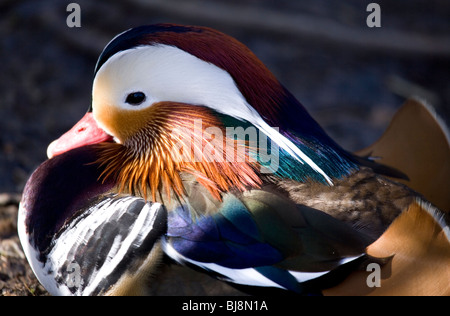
350 77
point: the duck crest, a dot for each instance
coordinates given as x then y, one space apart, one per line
255 81
178 139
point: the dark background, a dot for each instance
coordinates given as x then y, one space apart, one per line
350 77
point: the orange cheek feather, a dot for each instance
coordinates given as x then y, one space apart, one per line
149 156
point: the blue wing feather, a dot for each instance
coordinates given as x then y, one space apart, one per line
220 239
258 239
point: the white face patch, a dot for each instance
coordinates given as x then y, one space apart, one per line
167 73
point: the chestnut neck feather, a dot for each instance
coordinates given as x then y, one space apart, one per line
152 160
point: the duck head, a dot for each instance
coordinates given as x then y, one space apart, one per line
154 83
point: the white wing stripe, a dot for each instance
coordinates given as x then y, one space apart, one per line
141 227
248 276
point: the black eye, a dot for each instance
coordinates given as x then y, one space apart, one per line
135 98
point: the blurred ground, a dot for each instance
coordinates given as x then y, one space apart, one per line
350 77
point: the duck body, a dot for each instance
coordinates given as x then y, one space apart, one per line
168 170
256 238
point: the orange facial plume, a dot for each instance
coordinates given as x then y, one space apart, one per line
176 140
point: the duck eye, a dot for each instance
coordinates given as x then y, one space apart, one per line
135 98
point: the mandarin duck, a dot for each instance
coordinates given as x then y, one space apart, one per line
193 153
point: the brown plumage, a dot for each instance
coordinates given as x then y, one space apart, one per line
364 199
416 144
418 239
